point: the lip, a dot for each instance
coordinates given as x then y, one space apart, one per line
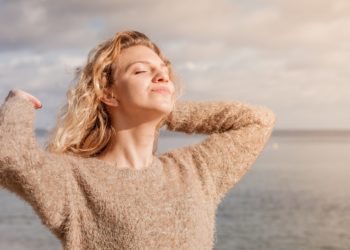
161 90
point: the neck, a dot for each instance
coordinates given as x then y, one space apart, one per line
131 147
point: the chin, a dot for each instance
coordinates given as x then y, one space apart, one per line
161 103
164 108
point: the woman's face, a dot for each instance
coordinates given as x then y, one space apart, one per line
139 71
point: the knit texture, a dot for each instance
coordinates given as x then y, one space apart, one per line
171 204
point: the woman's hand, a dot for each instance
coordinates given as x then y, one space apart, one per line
17 92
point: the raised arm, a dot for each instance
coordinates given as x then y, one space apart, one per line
237 132
27 170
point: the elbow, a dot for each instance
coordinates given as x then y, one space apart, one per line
266 117
271 118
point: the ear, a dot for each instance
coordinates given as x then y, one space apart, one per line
108 97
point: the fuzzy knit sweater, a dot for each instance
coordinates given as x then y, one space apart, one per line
171 204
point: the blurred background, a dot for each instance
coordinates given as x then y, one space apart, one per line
290 56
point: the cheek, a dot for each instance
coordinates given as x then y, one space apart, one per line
133 92
125 88
173 96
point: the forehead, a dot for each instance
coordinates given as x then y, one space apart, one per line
137 53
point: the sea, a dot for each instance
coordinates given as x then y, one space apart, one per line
296 196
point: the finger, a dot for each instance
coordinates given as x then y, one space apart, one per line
37 104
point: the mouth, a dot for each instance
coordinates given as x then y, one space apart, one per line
161 90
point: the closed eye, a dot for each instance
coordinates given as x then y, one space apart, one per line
138 72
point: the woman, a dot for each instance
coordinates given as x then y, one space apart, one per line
99 184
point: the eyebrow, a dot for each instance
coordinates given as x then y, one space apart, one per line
145 62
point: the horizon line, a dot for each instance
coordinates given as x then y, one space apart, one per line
275 132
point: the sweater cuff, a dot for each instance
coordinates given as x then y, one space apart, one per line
17 110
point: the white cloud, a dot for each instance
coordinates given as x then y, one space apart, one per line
292 57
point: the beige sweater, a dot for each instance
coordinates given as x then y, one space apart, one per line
90 204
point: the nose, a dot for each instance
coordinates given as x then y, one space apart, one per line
161 76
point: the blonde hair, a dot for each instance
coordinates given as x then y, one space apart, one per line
83 124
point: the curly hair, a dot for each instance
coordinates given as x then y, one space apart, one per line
83 124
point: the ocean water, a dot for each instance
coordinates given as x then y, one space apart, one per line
296 196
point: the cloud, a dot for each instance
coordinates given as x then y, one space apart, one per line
291 57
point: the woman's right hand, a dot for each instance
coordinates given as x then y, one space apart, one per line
17 92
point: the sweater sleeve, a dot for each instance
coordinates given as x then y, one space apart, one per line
237 133
38 177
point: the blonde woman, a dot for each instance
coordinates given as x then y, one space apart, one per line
99 183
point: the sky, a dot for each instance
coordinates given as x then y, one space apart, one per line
291 56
